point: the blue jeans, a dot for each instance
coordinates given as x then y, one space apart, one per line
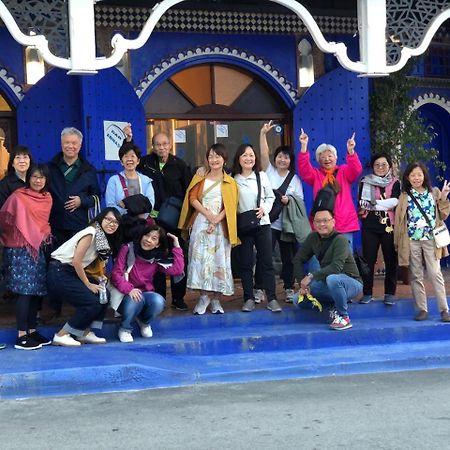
150 306
336 289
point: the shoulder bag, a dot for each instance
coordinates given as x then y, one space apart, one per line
277 206
247 222
440 234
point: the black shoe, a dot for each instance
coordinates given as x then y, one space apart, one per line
27 343
179 305
39 338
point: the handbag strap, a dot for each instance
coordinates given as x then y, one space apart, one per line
425 215
258 182
124 185
283 188
325 247
210 188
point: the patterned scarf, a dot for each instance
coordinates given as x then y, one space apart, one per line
102 246
24 220
368 192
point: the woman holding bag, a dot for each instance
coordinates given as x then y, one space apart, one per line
255 199
420 209
281 173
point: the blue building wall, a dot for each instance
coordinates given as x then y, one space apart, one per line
11 55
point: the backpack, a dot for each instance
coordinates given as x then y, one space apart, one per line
325 200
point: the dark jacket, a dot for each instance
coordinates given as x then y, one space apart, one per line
337 258
84 186
172 181
8 185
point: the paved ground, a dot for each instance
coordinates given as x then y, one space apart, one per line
7 318
404 411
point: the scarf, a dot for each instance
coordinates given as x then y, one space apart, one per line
330 180
151 256
24 220
102 246
368 191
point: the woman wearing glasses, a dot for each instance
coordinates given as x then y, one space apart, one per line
24 221
378 197
74 275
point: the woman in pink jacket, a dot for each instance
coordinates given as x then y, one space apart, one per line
146 256
338 178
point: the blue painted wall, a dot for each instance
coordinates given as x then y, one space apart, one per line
330 111
11 55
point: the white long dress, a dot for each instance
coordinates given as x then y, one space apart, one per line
209 265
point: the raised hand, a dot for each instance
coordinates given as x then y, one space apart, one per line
267 127
445 190
351 144
303 140
128 132
176 242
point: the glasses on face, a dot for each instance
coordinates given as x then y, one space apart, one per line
321 221
161 144
111 221
38 177
381 165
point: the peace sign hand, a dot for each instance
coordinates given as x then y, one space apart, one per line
267 127
445 190
303 140
351 145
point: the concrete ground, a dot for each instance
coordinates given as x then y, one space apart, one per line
402 411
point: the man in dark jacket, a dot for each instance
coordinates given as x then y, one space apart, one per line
171 177
338 280
73 186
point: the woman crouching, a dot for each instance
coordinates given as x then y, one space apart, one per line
132 275
70 277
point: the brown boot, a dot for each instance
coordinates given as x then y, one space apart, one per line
422 315
445 316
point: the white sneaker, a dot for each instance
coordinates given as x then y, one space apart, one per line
289 295
202 304
91 338
65 341
216 307
125 336
146 330
259 295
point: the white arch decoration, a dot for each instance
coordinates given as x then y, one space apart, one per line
195 52
431 97
15 87
83 60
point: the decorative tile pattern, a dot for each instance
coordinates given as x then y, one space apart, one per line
219 21
164 65
430 97
16 88
48 17
407 23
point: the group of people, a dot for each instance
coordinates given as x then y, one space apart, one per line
52 249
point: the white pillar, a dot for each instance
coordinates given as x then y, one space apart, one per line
372 35
82 37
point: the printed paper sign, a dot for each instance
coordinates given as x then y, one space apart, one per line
222 131
180 136
114 137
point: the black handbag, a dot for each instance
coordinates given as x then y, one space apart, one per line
247 221
169 213
277 206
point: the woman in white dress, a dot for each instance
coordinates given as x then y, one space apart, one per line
209 212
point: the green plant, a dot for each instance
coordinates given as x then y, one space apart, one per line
396 128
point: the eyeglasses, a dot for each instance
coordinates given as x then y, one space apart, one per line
38 177
381 166
161 144
322 221
111 221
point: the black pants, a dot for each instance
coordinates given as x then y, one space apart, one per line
26 312
178 289
370 245
262 241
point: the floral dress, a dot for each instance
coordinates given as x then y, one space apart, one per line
209 267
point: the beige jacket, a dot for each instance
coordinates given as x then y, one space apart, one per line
401 238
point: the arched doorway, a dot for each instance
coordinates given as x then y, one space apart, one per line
216 102
8 121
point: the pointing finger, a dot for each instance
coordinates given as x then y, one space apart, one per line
353 136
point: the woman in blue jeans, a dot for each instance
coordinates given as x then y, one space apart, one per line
133 273
71 277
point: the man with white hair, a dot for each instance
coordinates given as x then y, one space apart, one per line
73 187
332 183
